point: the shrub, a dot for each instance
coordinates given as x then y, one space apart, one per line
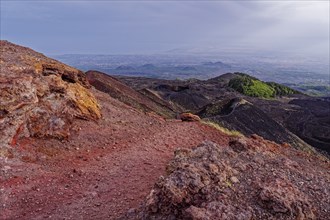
222 129
281 90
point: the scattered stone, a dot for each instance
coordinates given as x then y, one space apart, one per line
234 179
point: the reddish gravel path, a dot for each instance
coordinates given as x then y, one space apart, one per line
103 170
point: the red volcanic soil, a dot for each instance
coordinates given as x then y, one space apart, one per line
105 167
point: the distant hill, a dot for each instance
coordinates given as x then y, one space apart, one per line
217 64
186 68
125 68
272 112
148 66
252 86
313 90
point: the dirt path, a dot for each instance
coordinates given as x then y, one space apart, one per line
102 171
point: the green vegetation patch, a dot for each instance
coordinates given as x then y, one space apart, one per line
251 86
222 129
281 90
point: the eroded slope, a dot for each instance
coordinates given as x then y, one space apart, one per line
122 92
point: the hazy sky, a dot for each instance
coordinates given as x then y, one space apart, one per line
119 27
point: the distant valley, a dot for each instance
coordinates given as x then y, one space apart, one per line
306 75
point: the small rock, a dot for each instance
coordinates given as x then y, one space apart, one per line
189 117
234 179
213 168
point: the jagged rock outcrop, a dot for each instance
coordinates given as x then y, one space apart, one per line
251 179
39 96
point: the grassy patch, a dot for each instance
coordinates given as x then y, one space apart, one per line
251 86
222 129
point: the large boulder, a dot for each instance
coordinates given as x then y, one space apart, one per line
39 96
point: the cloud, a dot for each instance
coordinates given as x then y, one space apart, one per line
296 26
146 26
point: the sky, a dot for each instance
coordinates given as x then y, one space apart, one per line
139 27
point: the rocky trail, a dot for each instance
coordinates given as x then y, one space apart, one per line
101 171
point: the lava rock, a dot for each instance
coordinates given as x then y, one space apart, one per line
189 117
39 96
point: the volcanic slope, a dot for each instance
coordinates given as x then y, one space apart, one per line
288 116
241 115
105 164
109 160
213 100
129 96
